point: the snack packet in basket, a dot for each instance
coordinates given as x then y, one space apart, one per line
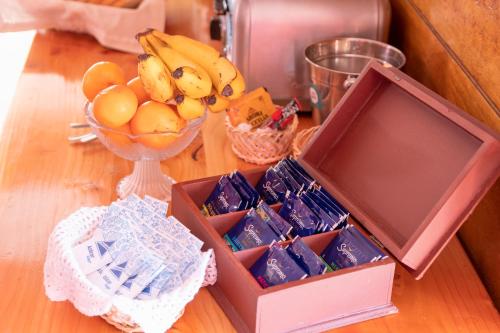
160 207
250 232
275 267
271 187
310 262
223 199
303 220
280 227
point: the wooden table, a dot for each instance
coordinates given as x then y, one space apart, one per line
44 179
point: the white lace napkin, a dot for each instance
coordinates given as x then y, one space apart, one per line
64 280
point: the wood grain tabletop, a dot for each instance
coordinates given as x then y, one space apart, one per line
44 179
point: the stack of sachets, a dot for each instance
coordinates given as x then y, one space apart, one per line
280 264
137 251
232 193
297 261
350 248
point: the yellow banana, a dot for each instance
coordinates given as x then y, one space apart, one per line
222 72
155 78
189 108
235 88
191 78
216 102
190 48
142 39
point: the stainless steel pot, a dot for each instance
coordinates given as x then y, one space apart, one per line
335 64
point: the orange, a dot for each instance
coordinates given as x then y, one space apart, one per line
116 137
155 117
99 76
115 106
136 85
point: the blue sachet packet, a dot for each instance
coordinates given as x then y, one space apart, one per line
291 184
334 213
246 197
328 197
329 221
255 197
346 251
293 162
276 267
251 231
304 180
223 199
280 227
356 233
271 187
296 212
310 262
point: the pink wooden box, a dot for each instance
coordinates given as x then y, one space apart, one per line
408 165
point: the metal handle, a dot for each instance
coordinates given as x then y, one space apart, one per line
349 81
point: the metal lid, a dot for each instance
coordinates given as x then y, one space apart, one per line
409 165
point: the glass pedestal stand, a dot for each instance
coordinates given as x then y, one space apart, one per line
146 178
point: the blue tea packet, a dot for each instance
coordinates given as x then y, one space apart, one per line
296 165
310 262
296 212
304 180
321 191
271 187
280 227
334 213
251 231
346 251
276 267
223 199
291 184
356 233
246 197
329 221
249 188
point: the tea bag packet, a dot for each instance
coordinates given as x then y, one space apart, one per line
302 179
340 219
302 219
357 234
327 197
245 195
248 187
295 165
280 227
251 231
328 221
275 267
346 251
223 199
291 184
166 281
309 261
271 187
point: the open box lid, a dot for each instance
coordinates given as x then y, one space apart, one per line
406 163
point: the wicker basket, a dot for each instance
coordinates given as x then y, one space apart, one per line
301 139
263 145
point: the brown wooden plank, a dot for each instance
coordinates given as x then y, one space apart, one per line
430 62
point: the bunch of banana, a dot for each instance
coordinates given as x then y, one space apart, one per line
197 70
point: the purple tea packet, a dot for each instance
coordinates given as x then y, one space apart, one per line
290 182
249 188
223 199
329 198
329 221
346 251
275 267
250 232
310 262
335 214
296 212
302 179
246 198
356 233
271 187
280 227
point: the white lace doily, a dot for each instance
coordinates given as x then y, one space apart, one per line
64 280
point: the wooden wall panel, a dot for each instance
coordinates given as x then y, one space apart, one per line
441 54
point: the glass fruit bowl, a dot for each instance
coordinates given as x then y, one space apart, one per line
147 176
